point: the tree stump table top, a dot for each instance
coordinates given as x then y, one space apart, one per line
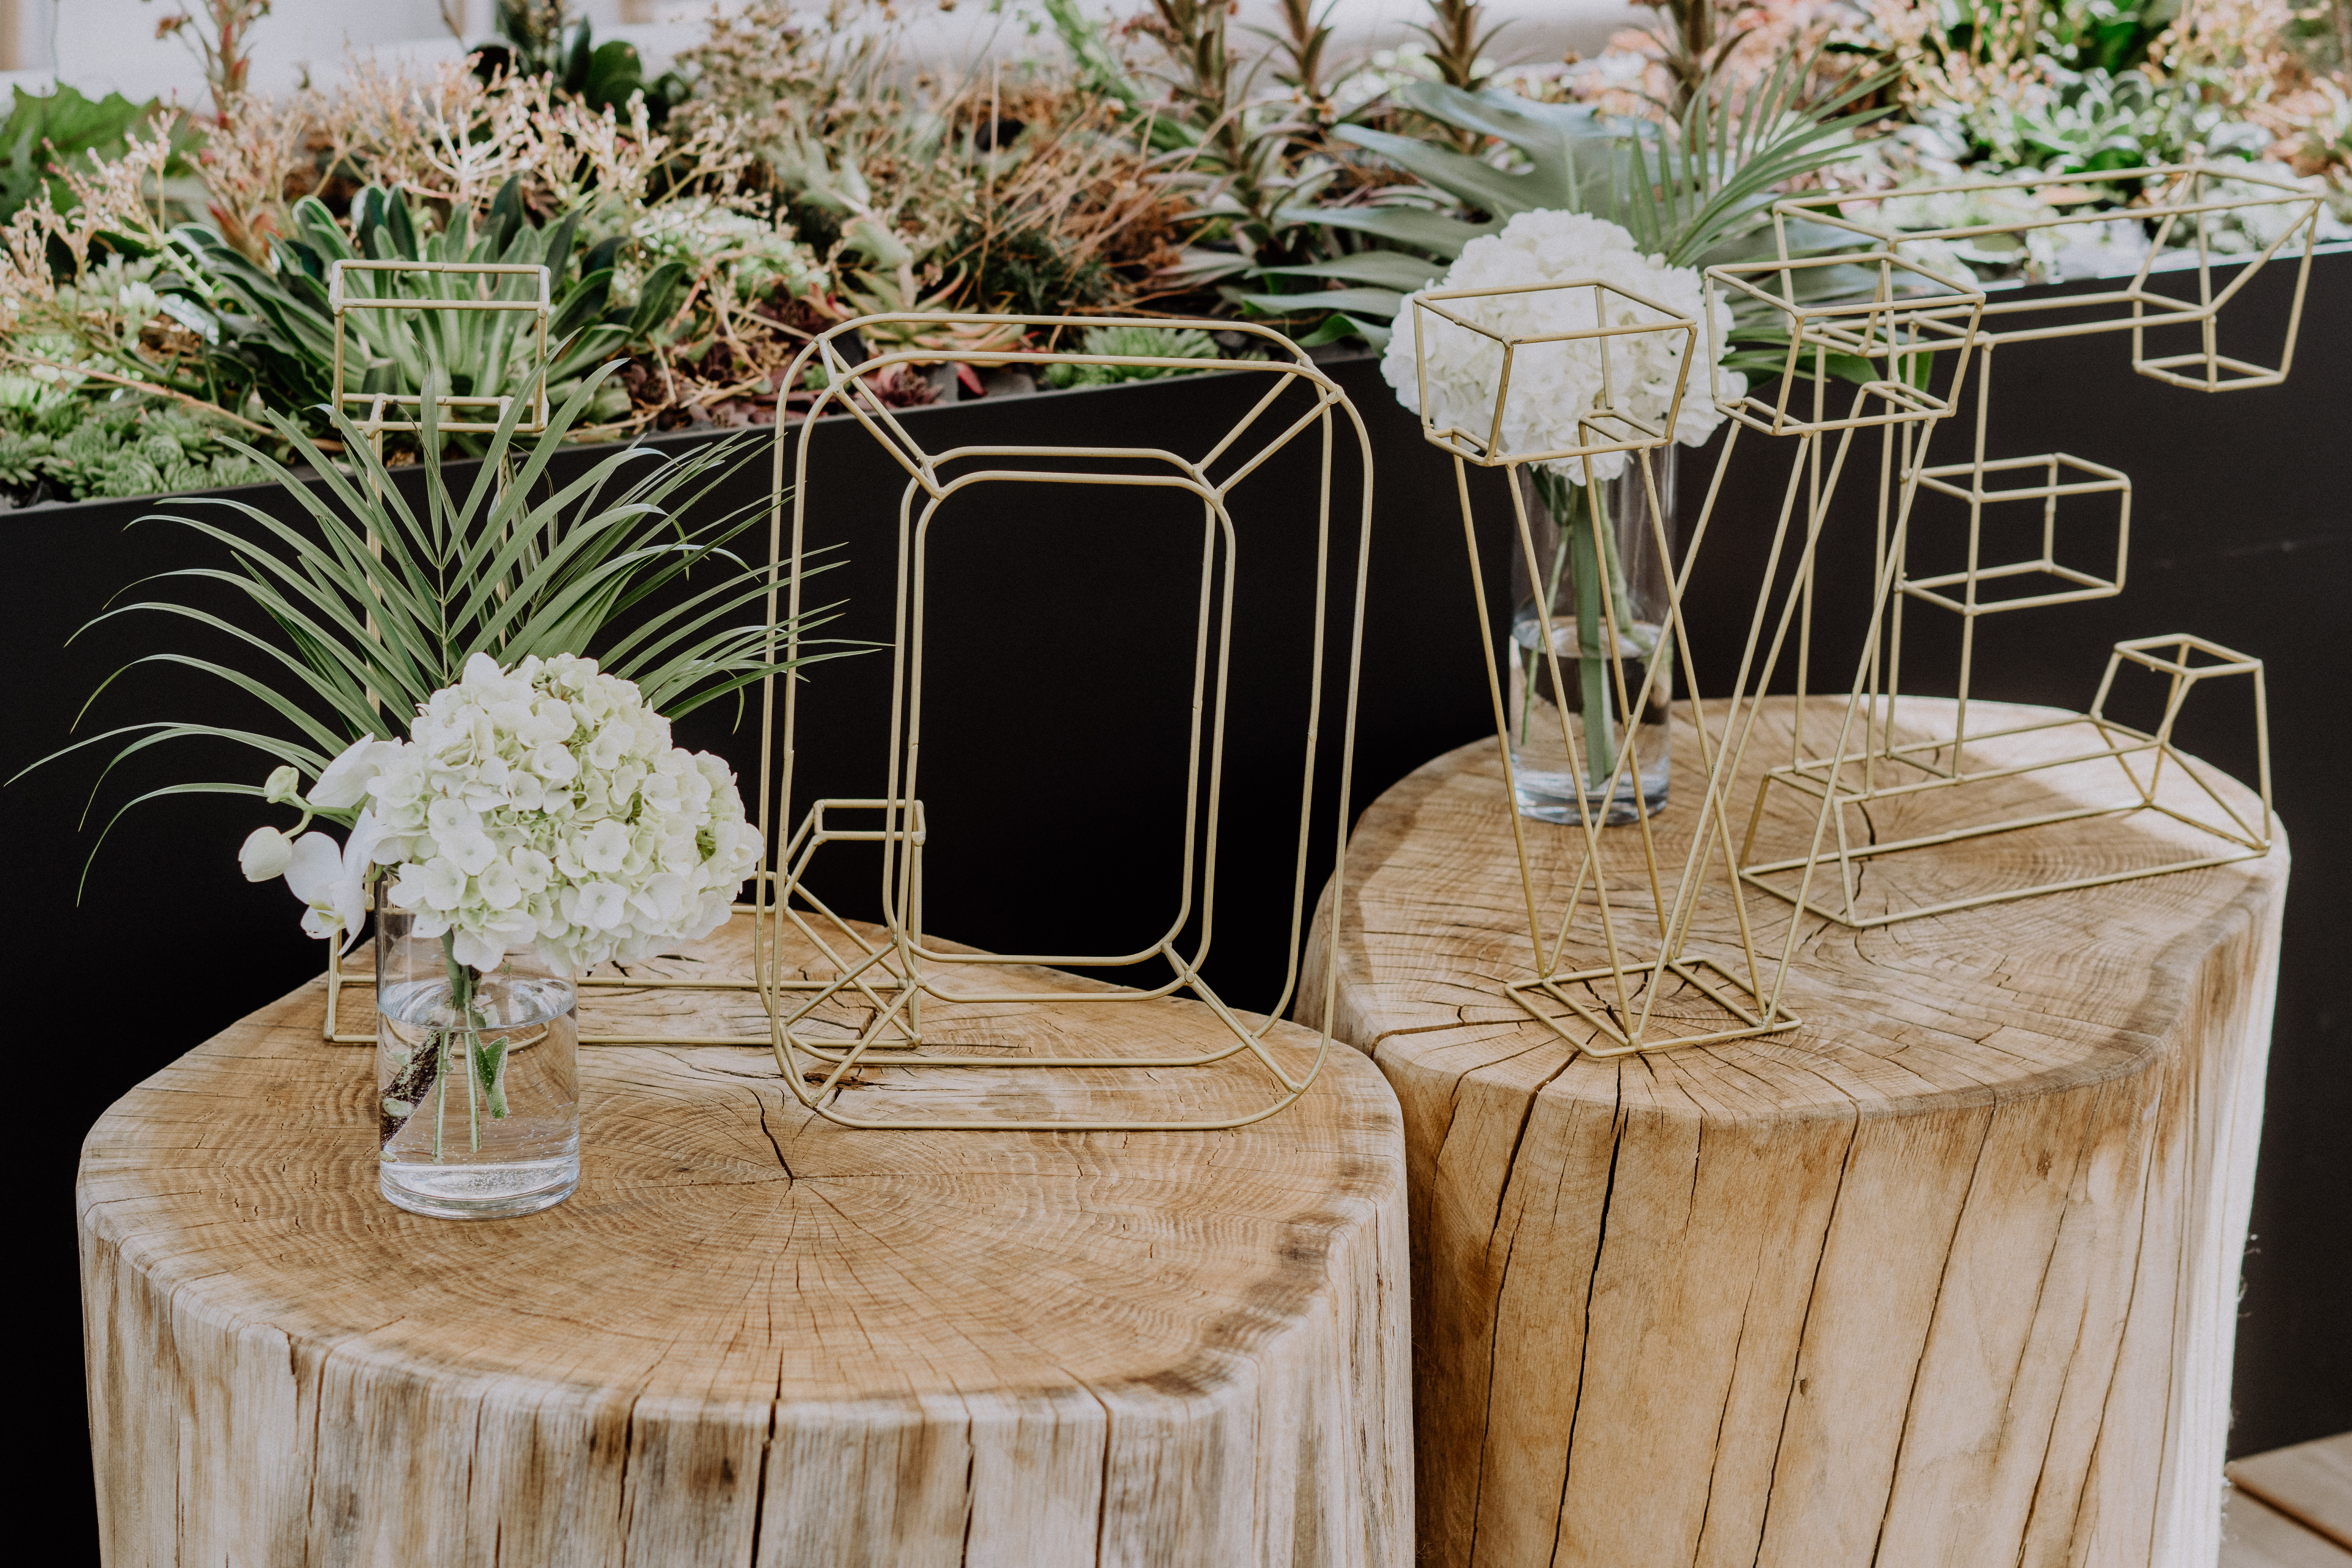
751 1335
1946 1276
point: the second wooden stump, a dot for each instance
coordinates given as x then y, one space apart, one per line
1947 1276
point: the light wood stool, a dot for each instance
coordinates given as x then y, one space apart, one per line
752 1336
1948 1275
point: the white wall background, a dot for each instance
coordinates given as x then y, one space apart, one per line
101 46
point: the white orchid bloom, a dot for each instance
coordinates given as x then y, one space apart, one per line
265 855
333 882
345 782
312 872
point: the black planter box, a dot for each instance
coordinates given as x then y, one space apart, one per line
1061 638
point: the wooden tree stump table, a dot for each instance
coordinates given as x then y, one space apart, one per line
1947 1276
752 1336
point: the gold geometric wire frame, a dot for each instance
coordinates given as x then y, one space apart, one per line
381 412
1611 1007
1869 762
887 977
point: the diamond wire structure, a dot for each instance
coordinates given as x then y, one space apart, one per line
1610 1009
886 978
483 287
1880 767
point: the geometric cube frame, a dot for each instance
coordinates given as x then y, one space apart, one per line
539 306
1869 762
1913 323
1970 482
2174 657
1608 1007
882 982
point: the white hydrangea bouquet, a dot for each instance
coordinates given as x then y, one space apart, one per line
1554 385
536 805
1554 388
540 809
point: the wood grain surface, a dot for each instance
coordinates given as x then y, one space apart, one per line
1947 1276
752 1336
2254 1535
2310 1483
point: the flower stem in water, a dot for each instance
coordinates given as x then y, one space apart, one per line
461 1001
1580 519
1592 669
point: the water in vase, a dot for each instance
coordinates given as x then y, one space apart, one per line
478 1094
1613 789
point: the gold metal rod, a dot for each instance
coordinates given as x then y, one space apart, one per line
901 950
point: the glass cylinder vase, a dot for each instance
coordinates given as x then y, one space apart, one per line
477 1078
1590 580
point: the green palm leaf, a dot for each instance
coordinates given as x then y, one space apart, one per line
377 603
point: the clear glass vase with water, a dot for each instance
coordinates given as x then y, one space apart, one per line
477 1078
1589 585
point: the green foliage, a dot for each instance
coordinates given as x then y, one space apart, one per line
376 601
275 327
1027 272
538 38
2095 104
2098 119
1456 47
29 405
2076 34
1700 194
60 128
1158 343
1242 170
1100 69
132 447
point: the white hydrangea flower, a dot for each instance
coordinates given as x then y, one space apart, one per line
538 808
1553 385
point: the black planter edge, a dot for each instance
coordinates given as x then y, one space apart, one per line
666 441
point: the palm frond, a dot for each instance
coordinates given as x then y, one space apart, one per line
370 603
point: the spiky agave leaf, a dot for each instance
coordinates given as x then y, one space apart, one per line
1700 196
379 602
279 316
